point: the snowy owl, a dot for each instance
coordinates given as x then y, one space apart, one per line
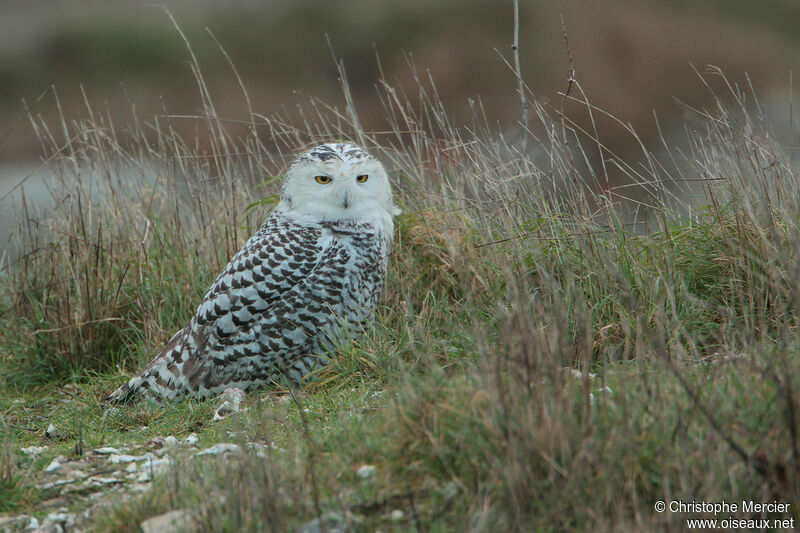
315 269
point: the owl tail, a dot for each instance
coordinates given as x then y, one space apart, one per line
125 393
147 380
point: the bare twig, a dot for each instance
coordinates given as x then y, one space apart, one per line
518 72
88 322
571 71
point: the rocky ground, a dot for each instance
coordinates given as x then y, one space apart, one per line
77 484
94 478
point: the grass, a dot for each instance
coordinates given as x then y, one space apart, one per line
542 360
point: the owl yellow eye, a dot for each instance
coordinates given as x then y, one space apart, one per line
322 179
362 178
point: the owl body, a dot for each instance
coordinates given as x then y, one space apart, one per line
311 274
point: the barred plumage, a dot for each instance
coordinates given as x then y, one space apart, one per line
315 269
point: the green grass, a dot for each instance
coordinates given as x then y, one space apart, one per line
536 364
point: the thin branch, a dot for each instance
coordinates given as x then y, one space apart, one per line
518 72
571 71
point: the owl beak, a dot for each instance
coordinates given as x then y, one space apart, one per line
345 201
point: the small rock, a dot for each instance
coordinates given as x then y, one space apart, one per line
54 466
191 440
366 471
232 401
52 433
104 480
233 394
574 372
33 524
33 450
131 468
107 450
153 468
123 458
60 520
334 523
168 522
163 442
15 523
220 447
397 515
282 398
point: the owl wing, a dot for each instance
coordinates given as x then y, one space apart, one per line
278 257
273 261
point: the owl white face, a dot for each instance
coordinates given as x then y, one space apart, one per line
335 182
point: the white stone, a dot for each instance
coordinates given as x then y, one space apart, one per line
232 401
33 450
62 520
164 442
574 372
33 524
54 466
221 447
104 480
168 522
225 410
153 468
107 450
366 471
397 515
123 458
191 439
51 432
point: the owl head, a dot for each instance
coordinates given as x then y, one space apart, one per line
336 182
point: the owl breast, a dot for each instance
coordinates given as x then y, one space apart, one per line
320 304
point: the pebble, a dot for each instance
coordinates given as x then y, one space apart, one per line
219 448
232 401
191 440
577 374
366 471
54 466
168 522
107 450
15 523
104 480
33 450
152 469
334 522
61 520
163 442
52 433
123 458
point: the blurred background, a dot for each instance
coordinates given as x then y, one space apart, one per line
632 58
